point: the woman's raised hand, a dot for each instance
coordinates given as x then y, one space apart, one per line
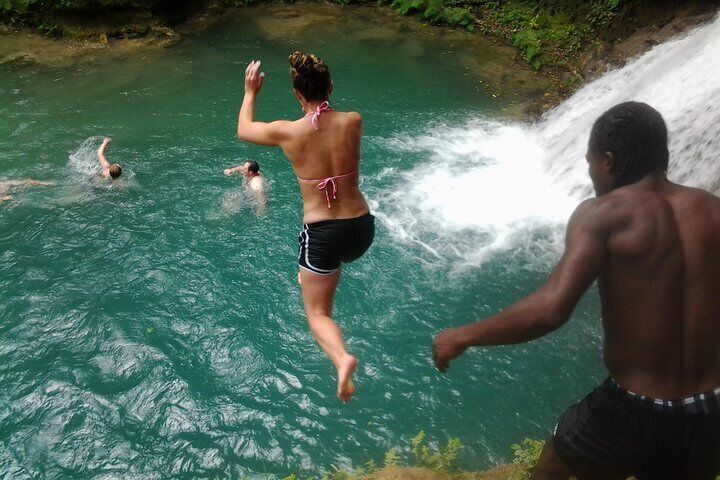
253 77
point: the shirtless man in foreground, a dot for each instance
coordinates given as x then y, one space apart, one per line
6 185
654 247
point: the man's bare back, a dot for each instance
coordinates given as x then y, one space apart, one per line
660 288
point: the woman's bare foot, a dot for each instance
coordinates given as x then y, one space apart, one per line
6 198
346 387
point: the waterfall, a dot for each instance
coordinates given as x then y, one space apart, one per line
489 186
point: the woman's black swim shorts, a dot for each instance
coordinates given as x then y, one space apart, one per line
324 245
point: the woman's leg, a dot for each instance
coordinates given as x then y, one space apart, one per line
318 292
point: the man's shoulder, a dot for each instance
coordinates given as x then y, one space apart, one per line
600 216
699 195
626 200
599 207
256 182
697 202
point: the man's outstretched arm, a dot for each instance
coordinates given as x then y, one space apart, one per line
104 164
231 170
550 306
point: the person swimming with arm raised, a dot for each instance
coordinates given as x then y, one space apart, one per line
653 247
323 148
109 170
253 181
251 172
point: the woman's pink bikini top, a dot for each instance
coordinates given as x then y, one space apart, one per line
329 182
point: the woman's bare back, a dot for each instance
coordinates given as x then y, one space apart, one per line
332 151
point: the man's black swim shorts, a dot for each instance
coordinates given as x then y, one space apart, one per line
619 432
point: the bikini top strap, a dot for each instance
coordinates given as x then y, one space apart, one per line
326 183
323 107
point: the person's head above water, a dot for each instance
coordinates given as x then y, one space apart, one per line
252 167
310 77
627 142
115 170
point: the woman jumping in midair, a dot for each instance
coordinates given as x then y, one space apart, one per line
324 150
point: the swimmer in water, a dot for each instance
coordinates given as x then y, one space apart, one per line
251 172
109 170
6 185
323 148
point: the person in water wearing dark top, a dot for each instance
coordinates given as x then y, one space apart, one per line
654 247
324 150
108 170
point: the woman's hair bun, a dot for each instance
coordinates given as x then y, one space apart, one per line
306 63
310 75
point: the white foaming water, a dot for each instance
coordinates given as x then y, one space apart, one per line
84 160
488 187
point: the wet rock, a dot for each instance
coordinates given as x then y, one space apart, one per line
162 32
18 59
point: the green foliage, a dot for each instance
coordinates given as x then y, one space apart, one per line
336 473
529 44
527 455
368 469
392 457
545 30
602 13
438 459
406 7
442 459
437 12
516 16
459 17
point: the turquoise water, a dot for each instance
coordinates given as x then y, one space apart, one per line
155 327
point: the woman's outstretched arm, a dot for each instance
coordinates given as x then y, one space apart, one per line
268 134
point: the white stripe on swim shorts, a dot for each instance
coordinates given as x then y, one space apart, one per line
313 268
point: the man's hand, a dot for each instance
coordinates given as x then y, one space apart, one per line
253 77
447 346
228 171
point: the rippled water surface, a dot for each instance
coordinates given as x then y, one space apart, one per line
154 327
